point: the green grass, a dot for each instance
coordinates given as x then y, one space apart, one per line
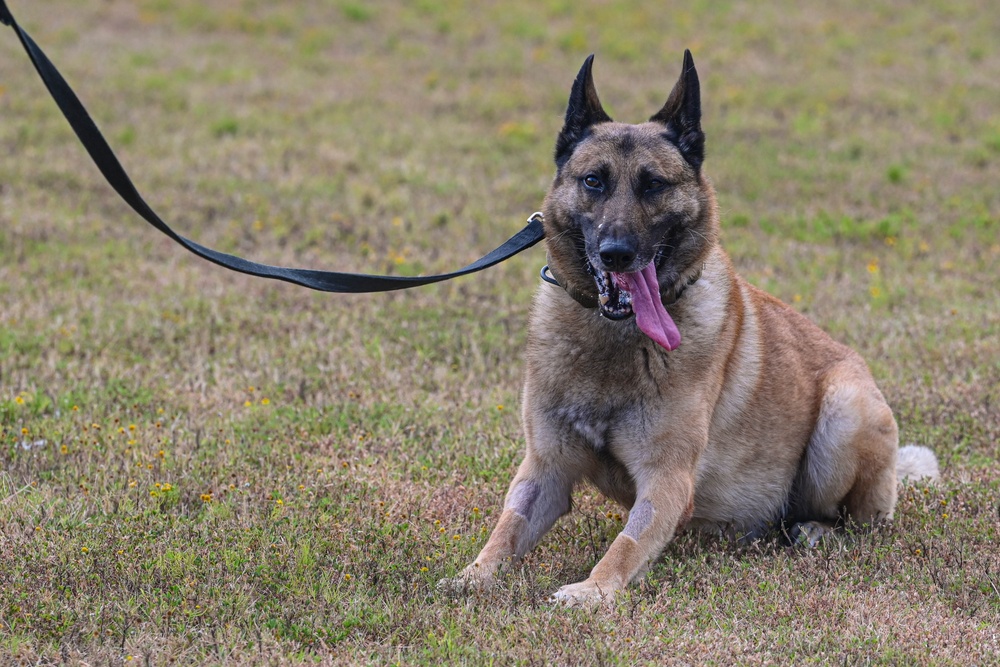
304 467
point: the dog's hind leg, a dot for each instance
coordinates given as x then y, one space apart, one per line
850 462
538 495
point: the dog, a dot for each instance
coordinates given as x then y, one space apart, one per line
657 373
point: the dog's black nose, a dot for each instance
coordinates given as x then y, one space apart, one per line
616 255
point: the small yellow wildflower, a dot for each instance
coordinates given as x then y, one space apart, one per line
873 266
247 403
76 408
167 487
265 401
131 427
19 400
206 497
875 292
85 550
24 430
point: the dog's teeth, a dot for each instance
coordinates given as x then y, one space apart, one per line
604 298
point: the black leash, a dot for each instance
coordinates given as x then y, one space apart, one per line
325 281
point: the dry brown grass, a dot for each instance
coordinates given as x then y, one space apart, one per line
855 150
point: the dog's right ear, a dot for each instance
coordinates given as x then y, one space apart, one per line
584 110
682 114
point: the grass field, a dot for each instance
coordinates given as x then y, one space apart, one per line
201 467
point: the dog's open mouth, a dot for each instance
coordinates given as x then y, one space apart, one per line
620 295
614 302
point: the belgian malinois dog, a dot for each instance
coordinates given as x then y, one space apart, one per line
661 376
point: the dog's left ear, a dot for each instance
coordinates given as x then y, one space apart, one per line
584 110
682 114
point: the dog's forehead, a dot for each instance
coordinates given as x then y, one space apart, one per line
643 146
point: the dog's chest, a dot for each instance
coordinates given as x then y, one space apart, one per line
601 399
609 432
593 424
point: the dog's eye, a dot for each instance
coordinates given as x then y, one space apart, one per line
655 185
592 182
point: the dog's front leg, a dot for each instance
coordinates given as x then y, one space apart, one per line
664 502
538 495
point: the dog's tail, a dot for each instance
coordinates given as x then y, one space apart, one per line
914 462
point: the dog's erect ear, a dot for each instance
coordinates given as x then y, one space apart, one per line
682 114
583 111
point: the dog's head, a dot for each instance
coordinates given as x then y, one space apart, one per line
629 215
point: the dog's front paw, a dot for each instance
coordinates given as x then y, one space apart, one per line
587 593
473 578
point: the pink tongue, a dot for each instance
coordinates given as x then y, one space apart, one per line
652 318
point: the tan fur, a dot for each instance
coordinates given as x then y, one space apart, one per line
758 418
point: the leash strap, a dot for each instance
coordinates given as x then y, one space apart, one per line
324 281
